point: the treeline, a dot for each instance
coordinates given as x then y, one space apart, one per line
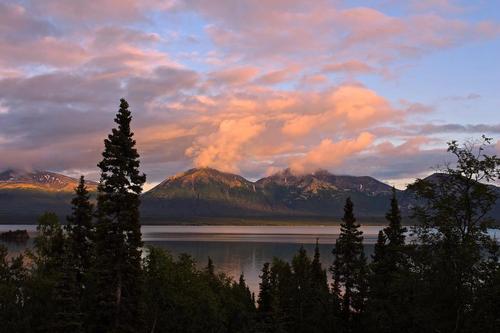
94 275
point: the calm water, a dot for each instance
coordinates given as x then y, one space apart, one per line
236 249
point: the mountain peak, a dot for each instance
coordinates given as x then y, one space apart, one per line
323 179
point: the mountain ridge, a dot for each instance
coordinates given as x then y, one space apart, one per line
40 180
210 193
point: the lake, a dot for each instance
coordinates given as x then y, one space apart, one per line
237 249
234 249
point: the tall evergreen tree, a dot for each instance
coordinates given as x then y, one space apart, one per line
302 304
265 290
245 290
210 267
380 248
68 316
324 315
395 232
80 231
318 273
72 289
283 292
389 291
118 234
265 300
349 268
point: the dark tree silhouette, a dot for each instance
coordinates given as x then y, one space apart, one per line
118 242
349 268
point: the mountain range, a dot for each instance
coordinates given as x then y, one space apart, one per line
209 193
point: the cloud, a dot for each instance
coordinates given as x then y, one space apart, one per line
102 11
352 66
234 75
436 6
329 154
225 148
294 29
277 76
254 86
349 107
468 97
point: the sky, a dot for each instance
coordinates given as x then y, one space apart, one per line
371 88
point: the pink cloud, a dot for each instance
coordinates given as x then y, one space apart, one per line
225 148
352 66
435 5
49 51
234 75
329 154
104 10
408 147
277 76
312 34
349 107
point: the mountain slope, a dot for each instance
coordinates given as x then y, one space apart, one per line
207 192
24 195
323 194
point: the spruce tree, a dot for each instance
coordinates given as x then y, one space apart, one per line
283 293
68 316
380 248
349 267
80 231
322 315
72 289
210 267
265 300
118 235
265 291
318 273
389 283
302 296
395 232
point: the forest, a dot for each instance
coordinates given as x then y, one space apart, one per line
93 273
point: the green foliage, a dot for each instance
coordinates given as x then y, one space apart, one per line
295 298
180 298
12 277
41 290
453 236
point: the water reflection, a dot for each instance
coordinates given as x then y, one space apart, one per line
248 258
